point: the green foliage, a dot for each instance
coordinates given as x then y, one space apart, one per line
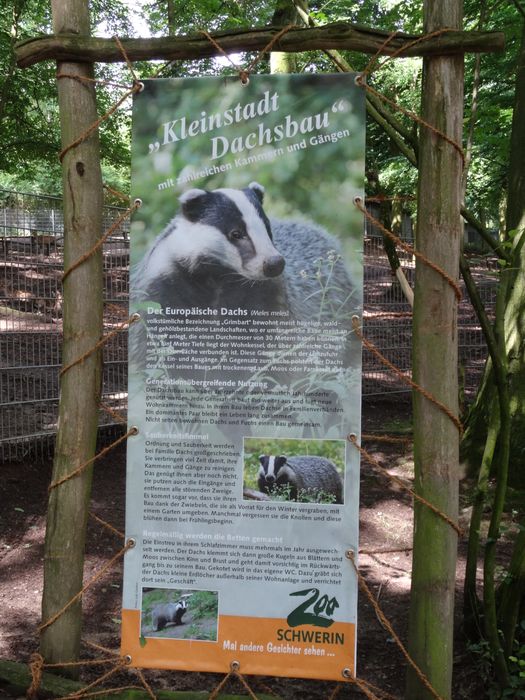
194 632
29 103
28 112
281 493
484 662
154 596
28 99
284 493
315 496
204 605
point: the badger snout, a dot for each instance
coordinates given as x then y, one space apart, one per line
269 479
272 267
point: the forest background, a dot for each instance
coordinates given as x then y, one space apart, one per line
494 189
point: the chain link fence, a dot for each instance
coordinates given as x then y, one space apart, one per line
31 265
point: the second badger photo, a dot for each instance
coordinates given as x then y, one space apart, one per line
304 471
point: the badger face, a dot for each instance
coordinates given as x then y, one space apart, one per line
180 609
270 470
229 228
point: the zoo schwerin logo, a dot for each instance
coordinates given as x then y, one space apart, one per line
316 610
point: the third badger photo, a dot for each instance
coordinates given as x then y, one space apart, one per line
288 469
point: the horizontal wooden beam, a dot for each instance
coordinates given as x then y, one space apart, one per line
340 35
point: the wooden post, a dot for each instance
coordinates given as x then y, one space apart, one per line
80 386
435 361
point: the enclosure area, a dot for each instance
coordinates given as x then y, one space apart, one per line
31 264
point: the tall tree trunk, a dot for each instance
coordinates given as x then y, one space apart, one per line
80 386
436 438
474 105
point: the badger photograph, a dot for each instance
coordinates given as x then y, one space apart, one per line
179 614
305 471
221 250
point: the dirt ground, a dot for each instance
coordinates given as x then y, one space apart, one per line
385 561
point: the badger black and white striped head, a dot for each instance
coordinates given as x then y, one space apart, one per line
271 468
228 228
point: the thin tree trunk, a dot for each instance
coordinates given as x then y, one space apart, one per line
285 13
80 386
514 210
513 588
500 366
172 18
472 608
474 104
512 592
515 308
436 438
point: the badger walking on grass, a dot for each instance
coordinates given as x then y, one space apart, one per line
168 613
312 477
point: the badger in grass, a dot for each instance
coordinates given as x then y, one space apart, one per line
222 251
168 613
314 476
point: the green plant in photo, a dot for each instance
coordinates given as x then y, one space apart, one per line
204 605
484 662
195 632
281 493
315 496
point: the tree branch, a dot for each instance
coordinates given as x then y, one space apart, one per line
375 106
493 243
520 9
384 122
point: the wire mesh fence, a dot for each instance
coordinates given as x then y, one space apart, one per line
388 318
31 265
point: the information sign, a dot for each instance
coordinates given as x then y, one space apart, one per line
245 375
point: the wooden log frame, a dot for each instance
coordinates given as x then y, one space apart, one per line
338 35
74 52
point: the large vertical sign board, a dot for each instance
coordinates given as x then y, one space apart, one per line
245 375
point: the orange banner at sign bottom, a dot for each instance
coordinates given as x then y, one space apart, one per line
262 646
